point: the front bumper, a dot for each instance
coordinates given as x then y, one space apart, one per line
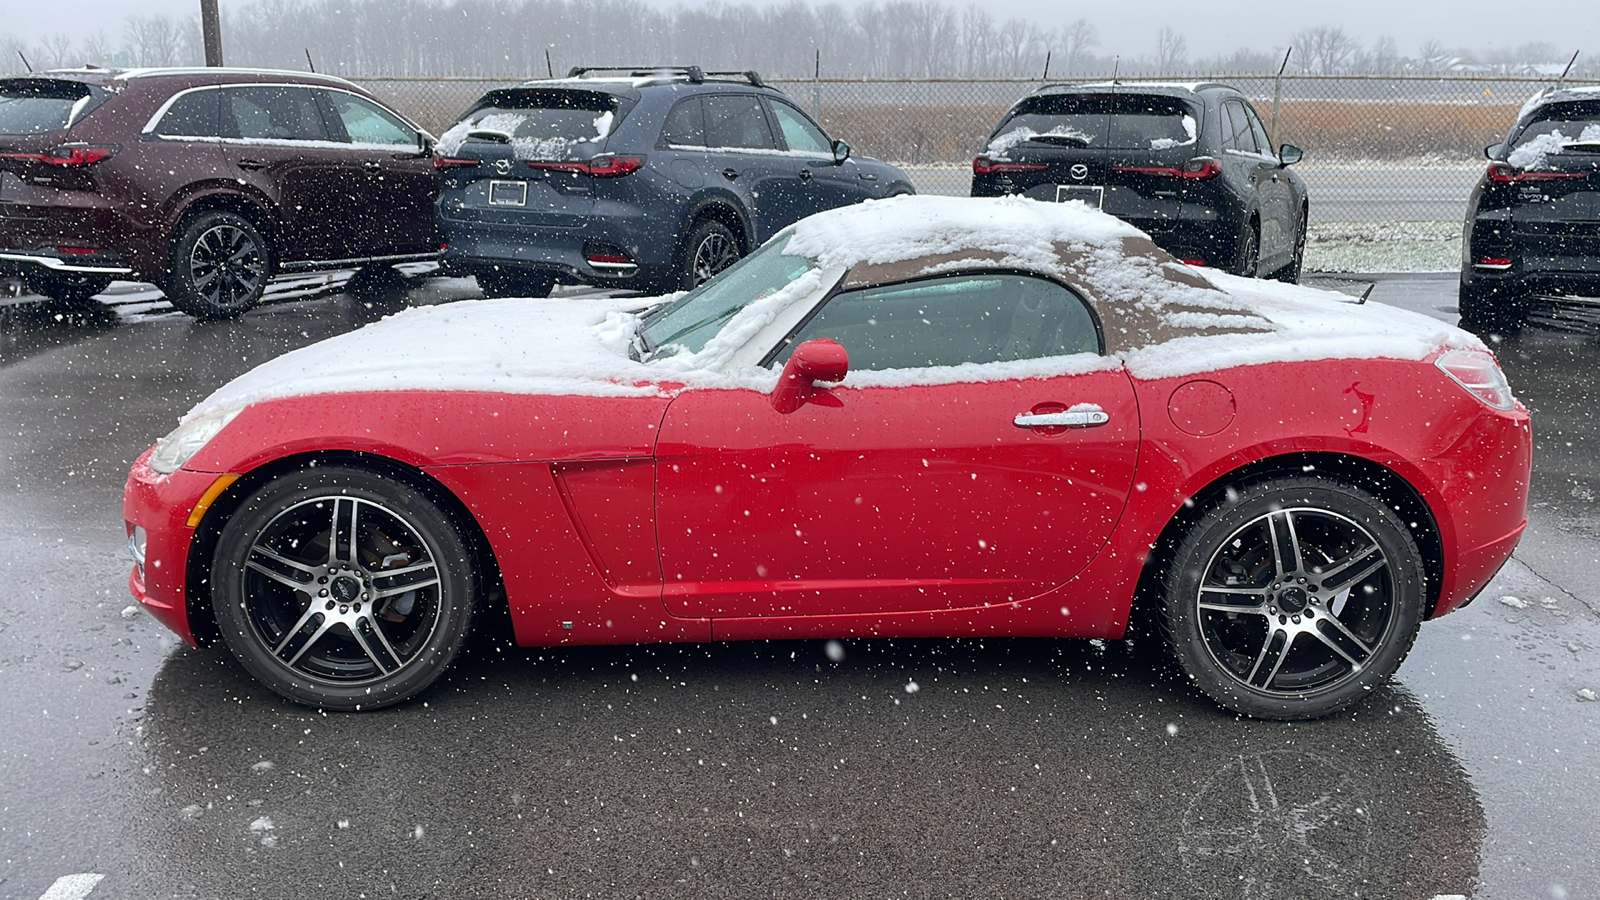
160 504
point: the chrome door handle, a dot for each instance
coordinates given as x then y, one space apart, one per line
730 173
1082 418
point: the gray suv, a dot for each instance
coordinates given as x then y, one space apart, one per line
652 179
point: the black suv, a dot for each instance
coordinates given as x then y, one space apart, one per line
652 179
1189 164
1533 221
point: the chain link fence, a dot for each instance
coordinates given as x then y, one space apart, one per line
1387 158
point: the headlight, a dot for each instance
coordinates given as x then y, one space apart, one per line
186 440
1477 371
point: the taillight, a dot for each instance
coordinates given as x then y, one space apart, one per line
77 251
1197 168
1194 262
1505 173
1477 371
606 165
68 155
983 165
1493 262
451 162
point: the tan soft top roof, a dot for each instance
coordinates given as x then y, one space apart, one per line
1144 298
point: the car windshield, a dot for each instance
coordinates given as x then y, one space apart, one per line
685 324
38 106
543 124
1122 121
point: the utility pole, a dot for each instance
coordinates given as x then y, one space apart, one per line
211 31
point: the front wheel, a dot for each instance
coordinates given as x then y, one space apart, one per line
342 589
1291 273
1294 598
219 267
1247 252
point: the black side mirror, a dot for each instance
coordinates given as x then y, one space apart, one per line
1493 151
841 151
1289 154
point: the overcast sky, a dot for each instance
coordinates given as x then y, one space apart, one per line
1127 28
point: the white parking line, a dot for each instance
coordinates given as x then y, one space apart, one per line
72 887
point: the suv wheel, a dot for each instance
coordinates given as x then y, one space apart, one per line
711 247
1291 272
1248 257
501 283
220 265
67 287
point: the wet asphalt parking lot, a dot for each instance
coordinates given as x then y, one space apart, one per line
1013 768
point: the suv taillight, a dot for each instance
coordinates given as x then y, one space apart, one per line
452 162
1505 173
68 155
606 165
983 165
1200 167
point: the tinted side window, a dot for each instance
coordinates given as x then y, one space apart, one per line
798 132
272 113
956 320
685 125
1238 135
194 114
737 120
1262 140
366 122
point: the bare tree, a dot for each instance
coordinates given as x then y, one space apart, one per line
1172 49
55 52
1324 49
1075 40
97 49
153 40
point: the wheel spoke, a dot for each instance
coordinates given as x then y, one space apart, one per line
428 572
1274 650
339 526
1347 572
1362 653
322 629
1233 599
357 632
1285 543
259 560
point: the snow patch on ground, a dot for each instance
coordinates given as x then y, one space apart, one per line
1383 247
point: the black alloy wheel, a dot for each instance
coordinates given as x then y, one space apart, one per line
342 589
1247 254
67 287
1294 599
220 266
1290 273
711 247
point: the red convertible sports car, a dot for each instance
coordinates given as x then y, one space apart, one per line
922 416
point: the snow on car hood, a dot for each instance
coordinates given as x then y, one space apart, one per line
513 345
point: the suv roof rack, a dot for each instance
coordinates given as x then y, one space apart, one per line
694 74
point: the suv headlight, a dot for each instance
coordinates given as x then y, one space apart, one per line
186 440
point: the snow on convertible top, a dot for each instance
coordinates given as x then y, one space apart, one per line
1160 317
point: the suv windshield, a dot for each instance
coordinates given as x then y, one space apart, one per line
41 105
540 124
1116 121
687 323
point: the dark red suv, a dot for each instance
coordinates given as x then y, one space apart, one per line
206 182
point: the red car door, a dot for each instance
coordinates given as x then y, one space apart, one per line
902 495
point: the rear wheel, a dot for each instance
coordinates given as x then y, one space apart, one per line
511 283
67 287
1294 599
710 248
1291 272
219 267
1491 310
342 589
1247 254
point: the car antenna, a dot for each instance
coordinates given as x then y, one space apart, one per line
549 69
25 61
1046 75
1568 68
1367 293
1115 62
309 64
